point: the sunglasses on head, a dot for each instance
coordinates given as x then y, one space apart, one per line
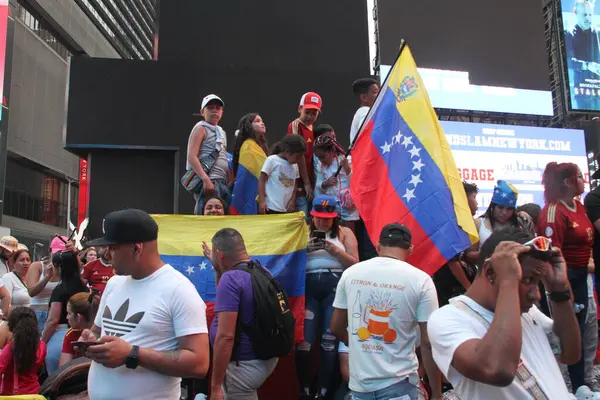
541 247
324 208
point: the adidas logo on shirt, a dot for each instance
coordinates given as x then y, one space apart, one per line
120 325
95 273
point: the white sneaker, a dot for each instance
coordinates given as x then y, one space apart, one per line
585 393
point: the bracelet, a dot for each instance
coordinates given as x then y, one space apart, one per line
560 297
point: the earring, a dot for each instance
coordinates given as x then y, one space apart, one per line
491 280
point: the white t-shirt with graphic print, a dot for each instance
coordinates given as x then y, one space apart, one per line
281 183
151 313
385 300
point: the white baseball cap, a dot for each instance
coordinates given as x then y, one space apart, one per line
209 98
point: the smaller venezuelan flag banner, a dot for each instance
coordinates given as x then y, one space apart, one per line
245 190
278 242
403 171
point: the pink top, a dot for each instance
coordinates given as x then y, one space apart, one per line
27 383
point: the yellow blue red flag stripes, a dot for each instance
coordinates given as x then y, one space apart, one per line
245 189
403 171
277 241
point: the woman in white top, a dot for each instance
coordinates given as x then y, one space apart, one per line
332 248
42 278
15 280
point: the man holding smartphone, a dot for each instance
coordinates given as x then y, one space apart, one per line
492 342
151 323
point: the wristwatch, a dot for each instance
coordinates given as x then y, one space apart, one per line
132 359
560 297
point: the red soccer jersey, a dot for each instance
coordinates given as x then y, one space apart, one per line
570 229
96 273
309 138
72 335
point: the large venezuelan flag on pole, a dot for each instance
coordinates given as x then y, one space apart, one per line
245 190
403 171
277 241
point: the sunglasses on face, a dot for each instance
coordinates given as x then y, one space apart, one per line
321 208
541 247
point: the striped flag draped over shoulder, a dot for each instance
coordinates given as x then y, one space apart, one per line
245 190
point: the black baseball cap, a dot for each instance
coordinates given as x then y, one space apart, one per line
395 235
126 226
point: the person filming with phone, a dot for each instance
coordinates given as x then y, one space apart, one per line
332 248
492 343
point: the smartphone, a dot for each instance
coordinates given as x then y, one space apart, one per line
84 345
320 235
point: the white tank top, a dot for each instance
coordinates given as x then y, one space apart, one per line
484 233
43 297
322 261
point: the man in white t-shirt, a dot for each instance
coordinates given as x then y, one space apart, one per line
151 322
492 342
378 306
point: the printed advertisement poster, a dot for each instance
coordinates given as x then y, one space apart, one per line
582 52
485 153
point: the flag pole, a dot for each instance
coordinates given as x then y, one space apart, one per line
362 124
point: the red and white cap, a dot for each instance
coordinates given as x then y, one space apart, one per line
311 100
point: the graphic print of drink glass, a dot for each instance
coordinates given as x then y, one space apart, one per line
356 313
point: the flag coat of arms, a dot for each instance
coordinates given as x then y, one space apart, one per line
403 171
278 242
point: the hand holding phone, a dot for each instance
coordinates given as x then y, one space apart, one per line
83 346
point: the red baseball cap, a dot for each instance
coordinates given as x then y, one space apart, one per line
311 100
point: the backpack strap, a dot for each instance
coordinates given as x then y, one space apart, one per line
525 377
239 325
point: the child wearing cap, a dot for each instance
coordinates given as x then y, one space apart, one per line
207 153
309 110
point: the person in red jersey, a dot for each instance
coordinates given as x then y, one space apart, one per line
97 273
81 311
309 109
564 220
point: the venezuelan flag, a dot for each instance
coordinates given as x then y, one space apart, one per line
245 190
403 171
277 241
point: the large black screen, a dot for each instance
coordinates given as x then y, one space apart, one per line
500 43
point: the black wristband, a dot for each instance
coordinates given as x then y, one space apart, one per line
560 297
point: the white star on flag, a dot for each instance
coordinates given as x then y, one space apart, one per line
396 139
416 179
189 270
203 265
409 195
414 152
386 147
504 194
418 164
407 141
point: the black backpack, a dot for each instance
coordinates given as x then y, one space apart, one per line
272 331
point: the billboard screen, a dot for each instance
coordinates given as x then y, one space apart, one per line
469 60
485 153
582 52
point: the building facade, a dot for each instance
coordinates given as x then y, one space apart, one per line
40 177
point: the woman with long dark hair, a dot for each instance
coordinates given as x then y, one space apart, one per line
251 151
501 213
332 248
57 324
564 220
21 359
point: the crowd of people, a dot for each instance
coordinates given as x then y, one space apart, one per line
498 321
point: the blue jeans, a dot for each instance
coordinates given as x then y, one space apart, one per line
302 205
42 316
320 293
403 390
54 347
578 280
221 190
